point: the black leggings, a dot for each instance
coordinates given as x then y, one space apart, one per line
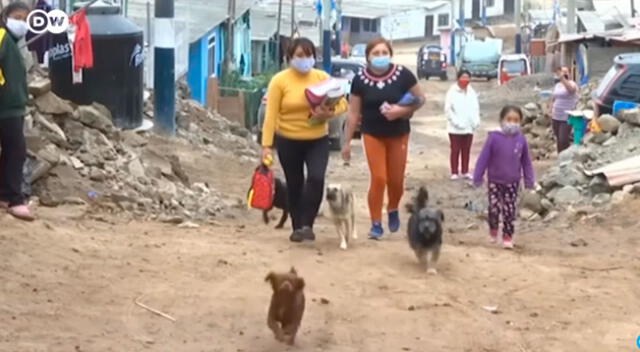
12 159
305 196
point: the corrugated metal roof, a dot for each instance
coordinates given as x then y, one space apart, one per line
373 9
620 173
591 21
264 17
201 16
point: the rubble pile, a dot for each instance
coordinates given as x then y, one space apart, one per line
77 156
568 184
537 128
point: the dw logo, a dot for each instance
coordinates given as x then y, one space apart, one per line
638 342
56 21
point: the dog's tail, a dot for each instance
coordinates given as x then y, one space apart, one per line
422 198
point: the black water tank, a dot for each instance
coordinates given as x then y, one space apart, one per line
116 79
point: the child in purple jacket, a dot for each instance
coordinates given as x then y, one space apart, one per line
505 156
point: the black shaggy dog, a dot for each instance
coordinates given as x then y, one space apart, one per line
280 201
425 230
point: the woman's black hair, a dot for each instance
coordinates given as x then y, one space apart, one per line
509 108
307 46
14 6
463 72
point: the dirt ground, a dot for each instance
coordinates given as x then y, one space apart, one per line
70 280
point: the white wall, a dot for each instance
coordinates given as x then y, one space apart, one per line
492 11
411 24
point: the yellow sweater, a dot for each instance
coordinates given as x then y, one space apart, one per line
288 111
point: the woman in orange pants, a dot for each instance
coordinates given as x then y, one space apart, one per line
378 104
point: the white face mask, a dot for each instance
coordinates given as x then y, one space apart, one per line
18 28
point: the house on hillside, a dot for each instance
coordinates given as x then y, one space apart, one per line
201 28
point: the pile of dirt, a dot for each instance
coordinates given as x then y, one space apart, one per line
569 183
77 156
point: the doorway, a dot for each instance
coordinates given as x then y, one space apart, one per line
428 26
475 10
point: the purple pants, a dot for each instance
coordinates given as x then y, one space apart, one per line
503 201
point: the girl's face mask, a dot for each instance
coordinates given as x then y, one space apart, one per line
303 65
510 128
464 83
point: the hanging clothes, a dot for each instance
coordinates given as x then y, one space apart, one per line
41 45
80 40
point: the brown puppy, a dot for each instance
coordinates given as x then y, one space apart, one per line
287 305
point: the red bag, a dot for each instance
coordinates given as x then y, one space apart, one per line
261 192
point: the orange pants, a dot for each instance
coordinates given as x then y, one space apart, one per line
387 158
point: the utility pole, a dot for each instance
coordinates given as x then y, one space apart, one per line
293 18
571 16
633 8
484 12
517 16
229 59
326 35
339 27
278 44
164 63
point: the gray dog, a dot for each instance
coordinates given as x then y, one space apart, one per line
425 230
342 209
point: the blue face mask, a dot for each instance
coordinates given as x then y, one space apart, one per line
302 65
381 62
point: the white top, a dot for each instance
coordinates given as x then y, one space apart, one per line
462 110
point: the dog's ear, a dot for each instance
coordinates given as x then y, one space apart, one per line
298 284
441 215
293 271
409 208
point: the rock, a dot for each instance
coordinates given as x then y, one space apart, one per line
611 141
599 184
39 87
95 116
50 103
532 201
625 130
579 243
188 225
132 139
552 215
167 190
41 169
609 123
97 175
631 116
176 169
51 126
635 188
76 163
567 195
526 214
570 176
50 154
619 197
74 201
546 204
136 169
601 199
600 138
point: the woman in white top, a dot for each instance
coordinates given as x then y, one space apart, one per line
463 118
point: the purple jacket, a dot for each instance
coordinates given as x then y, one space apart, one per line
506 158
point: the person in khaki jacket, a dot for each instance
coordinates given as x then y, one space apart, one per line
13 101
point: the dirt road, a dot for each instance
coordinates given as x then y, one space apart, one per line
69 280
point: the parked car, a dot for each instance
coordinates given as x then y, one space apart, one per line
359 53
511 66
432 62
481 58
621 83
344 69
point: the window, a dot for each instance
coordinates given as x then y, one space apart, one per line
366 25
374 26
355 25
443 20
490 3
212 55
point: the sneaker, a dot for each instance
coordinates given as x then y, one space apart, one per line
455 177
376 231
394 221
308 234
507 243
493 236
21 212
296 236
468 176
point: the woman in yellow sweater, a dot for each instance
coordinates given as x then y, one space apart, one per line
299 142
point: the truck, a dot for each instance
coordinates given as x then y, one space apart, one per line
481 58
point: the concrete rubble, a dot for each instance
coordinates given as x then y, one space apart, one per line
566 185
77 156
